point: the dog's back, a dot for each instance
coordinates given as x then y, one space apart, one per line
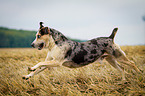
88 52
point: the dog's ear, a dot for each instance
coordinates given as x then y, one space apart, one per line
47 30
44 30
41 25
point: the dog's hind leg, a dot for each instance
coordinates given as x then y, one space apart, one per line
116 65
122 58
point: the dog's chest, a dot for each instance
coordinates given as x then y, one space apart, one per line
58 53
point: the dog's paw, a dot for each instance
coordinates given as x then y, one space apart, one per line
30 69
25 78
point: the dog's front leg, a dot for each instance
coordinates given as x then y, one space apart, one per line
41 66
34 73
48 58
45 64
34 67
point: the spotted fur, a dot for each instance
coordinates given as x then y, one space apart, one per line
85 52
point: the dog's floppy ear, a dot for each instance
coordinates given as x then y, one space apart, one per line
47 30
41 25
44 30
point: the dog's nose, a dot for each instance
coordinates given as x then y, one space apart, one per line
32 45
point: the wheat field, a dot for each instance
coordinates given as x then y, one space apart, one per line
91 80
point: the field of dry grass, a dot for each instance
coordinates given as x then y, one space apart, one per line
94 79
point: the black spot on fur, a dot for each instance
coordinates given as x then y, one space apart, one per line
94 42
82 47
58 33
91 57
63 38
114 53
79 57
103 51
93 51
58 37
56 42
105 44
68 53
117 53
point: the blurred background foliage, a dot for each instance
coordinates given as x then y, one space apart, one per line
13 38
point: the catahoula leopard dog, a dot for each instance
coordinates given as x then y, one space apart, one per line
72 54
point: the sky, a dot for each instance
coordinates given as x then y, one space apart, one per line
80 19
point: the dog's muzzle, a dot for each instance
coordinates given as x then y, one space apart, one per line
33 45
41 45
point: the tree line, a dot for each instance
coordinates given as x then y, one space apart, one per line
12 38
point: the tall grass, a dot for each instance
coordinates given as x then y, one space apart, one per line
94 79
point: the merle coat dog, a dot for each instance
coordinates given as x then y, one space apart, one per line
72 54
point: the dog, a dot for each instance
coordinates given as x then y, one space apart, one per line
72 54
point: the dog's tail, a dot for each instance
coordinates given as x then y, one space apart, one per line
113 33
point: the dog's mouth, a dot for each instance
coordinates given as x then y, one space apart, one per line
40 46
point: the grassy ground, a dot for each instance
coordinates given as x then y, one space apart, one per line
94 79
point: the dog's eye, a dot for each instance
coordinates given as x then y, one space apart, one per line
38 36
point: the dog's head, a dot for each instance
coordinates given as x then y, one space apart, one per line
42 37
